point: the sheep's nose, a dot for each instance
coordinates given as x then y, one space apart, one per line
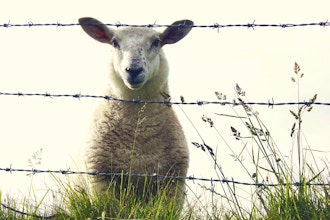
134 72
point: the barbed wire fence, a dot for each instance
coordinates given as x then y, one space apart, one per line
156 176
217 26
270 103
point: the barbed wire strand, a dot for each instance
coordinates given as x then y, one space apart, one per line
79 96
212 26
193 178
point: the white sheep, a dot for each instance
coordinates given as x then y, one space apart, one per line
138 138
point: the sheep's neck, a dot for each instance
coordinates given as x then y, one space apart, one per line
136 113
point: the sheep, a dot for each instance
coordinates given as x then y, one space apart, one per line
138 138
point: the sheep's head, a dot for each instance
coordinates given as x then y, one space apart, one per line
136 57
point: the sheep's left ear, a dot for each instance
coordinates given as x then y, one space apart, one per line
176 32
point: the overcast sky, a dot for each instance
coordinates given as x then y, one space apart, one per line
64 60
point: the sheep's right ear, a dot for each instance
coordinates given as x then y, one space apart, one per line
96 29
176 32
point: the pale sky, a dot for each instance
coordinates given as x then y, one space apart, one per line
62 60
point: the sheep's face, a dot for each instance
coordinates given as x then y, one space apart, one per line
136 57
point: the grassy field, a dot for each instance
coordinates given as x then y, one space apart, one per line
283 189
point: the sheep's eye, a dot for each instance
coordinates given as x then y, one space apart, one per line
115 44
155 43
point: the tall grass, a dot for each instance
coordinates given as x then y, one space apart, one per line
293 187
286 188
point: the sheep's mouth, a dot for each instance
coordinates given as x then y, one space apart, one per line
134 84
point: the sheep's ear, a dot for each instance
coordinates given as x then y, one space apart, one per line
176 32
96 29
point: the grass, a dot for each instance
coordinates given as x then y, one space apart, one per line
78 203
109 205
292 187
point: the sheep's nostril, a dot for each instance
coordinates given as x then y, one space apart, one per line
134 72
